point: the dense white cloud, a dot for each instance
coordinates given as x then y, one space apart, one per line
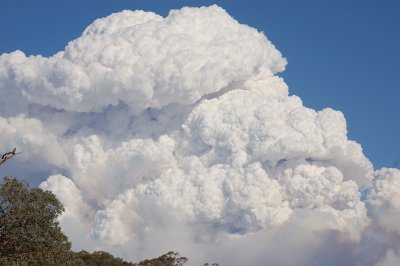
143 60
30 133
175 133
391 258
383 199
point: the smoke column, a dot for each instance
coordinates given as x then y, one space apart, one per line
176 133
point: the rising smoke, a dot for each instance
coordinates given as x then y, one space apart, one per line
176 133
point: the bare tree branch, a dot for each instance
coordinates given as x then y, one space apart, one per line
8 155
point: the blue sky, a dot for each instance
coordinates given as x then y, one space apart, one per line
341 54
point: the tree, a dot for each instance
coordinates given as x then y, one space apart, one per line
169 259
29 230
101 258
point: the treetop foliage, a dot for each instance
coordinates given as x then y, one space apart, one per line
29 230
169 259
101 258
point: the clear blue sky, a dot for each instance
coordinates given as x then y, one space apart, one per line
342 54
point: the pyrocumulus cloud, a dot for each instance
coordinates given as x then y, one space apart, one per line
176 133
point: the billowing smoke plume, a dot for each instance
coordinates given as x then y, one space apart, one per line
175 133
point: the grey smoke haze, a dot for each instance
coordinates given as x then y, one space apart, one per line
176 133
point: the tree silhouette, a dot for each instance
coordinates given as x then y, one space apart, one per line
168 259
29 231
101 258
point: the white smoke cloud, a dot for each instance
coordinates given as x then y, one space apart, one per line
383 199
143 60
175 133
391 258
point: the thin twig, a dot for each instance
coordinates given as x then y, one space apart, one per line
8 155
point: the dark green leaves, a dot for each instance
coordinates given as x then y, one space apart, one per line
29 231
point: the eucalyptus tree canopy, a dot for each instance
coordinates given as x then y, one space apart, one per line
29 230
